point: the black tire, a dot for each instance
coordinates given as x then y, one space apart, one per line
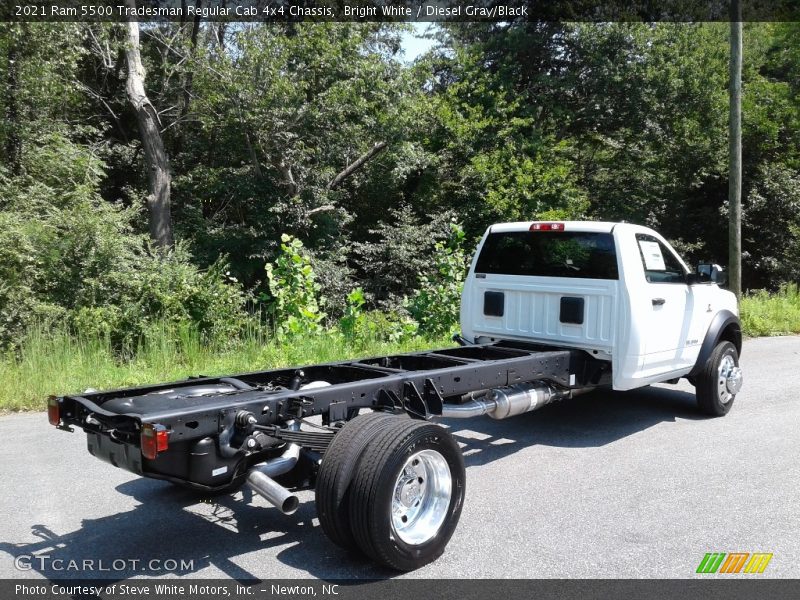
336 472
388 466
713 397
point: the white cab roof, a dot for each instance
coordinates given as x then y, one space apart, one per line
594 226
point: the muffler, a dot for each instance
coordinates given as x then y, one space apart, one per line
501 403
259 478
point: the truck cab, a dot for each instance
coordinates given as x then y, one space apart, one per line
618 291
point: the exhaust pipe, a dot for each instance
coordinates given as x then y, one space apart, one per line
274 492
259 478
502 403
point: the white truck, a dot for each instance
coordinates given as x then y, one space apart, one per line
615 290
549 310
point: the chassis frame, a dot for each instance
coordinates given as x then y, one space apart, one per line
420 384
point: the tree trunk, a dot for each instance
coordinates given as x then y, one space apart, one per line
158 173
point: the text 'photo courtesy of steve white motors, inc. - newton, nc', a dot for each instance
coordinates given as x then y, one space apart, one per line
167 590
423 11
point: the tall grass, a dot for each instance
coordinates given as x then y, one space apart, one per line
60 363
763 313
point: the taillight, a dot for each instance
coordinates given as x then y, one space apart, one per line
547 227
154 439
53 411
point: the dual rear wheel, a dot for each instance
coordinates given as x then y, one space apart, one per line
392 488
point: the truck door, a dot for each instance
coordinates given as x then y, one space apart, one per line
666 309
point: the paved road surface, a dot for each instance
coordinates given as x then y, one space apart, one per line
633 484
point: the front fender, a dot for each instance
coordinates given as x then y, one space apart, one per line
724 325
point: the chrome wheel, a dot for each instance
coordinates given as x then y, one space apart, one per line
421 497
729 379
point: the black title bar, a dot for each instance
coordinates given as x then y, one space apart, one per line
399 10
397 589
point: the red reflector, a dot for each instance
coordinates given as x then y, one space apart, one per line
154 439
547 227
53 411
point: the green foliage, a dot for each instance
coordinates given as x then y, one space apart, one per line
358 324
763 313
353 318
167 289
537 184
335 277
389 265
498 160
39 88
67 256
435 305
518 121
279 118
295 304
771 228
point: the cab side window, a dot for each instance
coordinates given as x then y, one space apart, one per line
660 264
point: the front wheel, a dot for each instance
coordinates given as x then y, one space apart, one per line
720 380
407 495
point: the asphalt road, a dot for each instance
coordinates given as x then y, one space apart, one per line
633 484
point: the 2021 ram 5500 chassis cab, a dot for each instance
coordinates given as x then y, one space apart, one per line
548 310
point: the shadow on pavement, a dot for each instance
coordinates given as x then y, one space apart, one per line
587 421
172 523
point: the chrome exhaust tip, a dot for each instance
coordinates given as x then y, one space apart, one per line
269 489
260 479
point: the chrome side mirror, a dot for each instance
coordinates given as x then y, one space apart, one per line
711 273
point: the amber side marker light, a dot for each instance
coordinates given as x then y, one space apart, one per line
53 411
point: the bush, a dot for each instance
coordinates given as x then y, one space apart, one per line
67 257
294 304
374 326
334 276
169 290
353 319
436 304
772 314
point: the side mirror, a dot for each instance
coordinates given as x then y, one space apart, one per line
711 273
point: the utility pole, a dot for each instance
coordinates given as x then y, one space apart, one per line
735 154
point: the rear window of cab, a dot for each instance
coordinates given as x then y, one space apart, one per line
577 254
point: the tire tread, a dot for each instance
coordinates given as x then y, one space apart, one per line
370 484
706 382
336 472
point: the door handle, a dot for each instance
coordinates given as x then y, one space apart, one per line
658 301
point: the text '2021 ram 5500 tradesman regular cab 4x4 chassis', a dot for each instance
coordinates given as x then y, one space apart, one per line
548 310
